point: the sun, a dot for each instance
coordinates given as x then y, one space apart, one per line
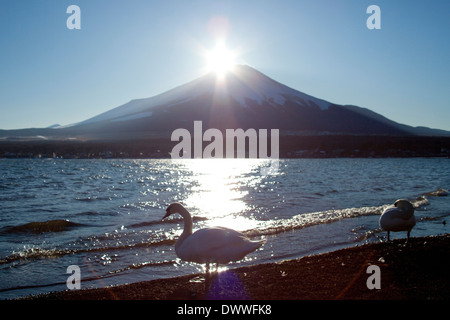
220 59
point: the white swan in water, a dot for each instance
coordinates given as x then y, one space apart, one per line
210 245
400 217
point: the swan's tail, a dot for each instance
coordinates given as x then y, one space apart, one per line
246 248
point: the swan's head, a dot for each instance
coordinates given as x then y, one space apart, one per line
173 208
405 206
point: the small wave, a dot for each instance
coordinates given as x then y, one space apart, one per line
88 213
304 220
440 192
136 266
97 213
38 227
420 202
34 253
156 222
40 253
440 218
94 198
144 224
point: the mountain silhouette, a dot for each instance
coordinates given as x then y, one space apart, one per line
244 98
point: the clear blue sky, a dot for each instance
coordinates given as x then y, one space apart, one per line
136 49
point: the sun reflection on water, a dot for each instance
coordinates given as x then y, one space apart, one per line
218 192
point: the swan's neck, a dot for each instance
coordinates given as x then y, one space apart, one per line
187 221
187 231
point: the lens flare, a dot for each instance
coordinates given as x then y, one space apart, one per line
220 59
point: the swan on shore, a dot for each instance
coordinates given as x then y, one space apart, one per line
399 217
210 245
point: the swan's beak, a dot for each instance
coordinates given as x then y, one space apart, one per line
166 215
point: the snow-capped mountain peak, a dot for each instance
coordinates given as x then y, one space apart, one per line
243 84
254 85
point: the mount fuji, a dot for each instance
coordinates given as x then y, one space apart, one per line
243 98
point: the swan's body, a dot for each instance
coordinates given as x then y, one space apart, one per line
400 217
210 245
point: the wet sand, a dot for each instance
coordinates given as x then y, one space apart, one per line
417 270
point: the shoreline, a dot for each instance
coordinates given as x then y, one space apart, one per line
417 270
292 145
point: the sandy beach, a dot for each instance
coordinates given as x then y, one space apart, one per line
416 270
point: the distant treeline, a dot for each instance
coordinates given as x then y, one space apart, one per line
290 146
364 146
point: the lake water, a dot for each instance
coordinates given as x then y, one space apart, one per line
105 215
